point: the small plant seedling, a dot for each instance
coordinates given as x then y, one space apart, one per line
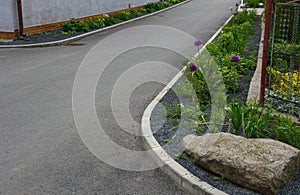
174 122
199 129
219 178
64 33
168 140
180 156
173 111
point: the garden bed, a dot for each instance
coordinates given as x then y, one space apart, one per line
168 131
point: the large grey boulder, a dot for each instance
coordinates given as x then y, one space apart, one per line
262 165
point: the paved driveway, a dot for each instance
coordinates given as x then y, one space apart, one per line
40 149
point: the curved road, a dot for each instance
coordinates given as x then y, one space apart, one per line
40 149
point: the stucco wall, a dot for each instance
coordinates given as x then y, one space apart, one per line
7 15
37 12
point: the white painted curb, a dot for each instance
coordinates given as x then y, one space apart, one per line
75 38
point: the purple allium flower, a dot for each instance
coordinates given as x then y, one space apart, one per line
193 68
235 14
197 43
235 59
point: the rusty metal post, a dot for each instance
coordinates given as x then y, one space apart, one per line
20 18
265 51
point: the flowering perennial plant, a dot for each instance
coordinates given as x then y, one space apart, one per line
285 83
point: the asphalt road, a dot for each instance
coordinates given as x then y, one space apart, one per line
41 151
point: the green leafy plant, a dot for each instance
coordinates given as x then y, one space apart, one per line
252 119
173 110
96 23
233 41
125 15
230 77
168 140
108 21
256 121
180 156
285 83
236 115
155 6
199 84
219 178
172 2
254 3
74 26
142 10
242 17
174 123
287 131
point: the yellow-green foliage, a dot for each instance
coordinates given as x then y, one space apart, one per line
284 83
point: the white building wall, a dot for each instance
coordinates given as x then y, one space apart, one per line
8 20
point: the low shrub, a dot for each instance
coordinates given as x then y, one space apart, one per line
125 15
254 3
108 21
74 26
287 131
96 23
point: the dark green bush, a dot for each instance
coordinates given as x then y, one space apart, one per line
74 26
254 3
151 7
125 15
286 131
96 23
108 21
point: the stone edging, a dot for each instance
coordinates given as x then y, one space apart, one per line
178 173
254 89
75 38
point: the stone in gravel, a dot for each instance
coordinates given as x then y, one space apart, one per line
262 165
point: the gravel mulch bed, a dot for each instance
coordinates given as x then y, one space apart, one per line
47 37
